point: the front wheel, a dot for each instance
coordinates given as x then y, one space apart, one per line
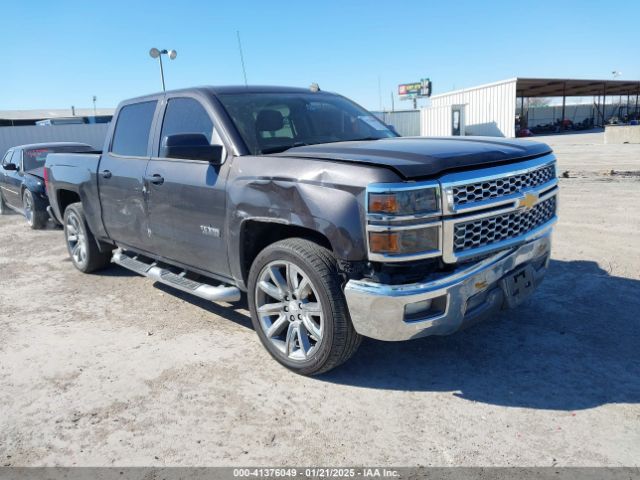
298 307
81 244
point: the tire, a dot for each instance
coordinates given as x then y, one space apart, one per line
34 210
81 244
304 324
3 206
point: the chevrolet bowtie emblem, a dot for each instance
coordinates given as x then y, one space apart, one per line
529 200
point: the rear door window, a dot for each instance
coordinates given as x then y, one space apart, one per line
131 136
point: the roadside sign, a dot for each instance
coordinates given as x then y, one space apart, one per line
408 91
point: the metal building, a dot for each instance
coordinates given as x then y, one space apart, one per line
491 109
482 110
406 122
93 134
14 118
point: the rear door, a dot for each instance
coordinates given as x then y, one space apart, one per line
121 176
187 209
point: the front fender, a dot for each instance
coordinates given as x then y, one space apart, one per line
334 213
319 195
35 185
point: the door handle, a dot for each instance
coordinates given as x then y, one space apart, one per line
106 174
155 179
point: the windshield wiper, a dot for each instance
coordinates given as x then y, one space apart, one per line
364 139
284 148
281 148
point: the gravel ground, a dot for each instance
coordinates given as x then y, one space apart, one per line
110 369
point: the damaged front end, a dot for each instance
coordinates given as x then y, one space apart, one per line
475 241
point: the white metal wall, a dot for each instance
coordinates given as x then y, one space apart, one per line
93 134
436 121
488 110
406 122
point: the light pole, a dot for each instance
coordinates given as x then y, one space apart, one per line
95 114
155 53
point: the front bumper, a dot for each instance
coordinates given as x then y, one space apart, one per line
441 305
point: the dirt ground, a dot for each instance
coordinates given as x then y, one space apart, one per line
110 369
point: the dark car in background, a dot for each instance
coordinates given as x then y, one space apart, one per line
22 185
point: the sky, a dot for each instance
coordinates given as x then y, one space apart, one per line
60 53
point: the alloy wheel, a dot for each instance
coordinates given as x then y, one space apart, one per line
28 208
76 240
289 310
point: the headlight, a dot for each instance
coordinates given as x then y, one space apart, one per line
404 221
406 241
405 202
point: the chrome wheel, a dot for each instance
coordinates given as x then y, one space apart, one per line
76 240
289 310
28 207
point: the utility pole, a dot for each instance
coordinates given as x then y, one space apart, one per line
95 114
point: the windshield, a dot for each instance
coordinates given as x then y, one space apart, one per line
274 122
35 157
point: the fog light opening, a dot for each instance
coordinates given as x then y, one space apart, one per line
424 309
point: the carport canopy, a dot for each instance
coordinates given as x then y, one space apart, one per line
567 87
559 87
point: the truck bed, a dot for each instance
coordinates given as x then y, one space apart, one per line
72 177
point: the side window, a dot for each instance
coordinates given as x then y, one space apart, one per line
17 158
186 115
133 126
7 157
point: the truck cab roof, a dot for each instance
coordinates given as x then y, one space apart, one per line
223 90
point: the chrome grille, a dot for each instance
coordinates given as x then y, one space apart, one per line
499 187
490 230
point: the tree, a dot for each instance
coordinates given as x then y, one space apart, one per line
530 102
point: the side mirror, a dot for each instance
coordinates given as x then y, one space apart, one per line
191 146
10 166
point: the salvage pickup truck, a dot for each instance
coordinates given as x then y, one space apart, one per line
334 226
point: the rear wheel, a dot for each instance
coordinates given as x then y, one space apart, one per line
34 210
3 206
81 244
298 308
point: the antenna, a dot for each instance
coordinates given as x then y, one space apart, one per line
244 71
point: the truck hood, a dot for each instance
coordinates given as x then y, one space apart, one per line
419 157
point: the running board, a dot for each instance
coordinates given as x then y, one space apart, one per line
220 293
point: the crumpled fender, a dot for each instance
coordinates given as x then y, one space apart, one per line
322 196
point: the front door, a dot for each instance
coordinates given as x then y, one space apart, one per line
121 176
12 179
187 201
